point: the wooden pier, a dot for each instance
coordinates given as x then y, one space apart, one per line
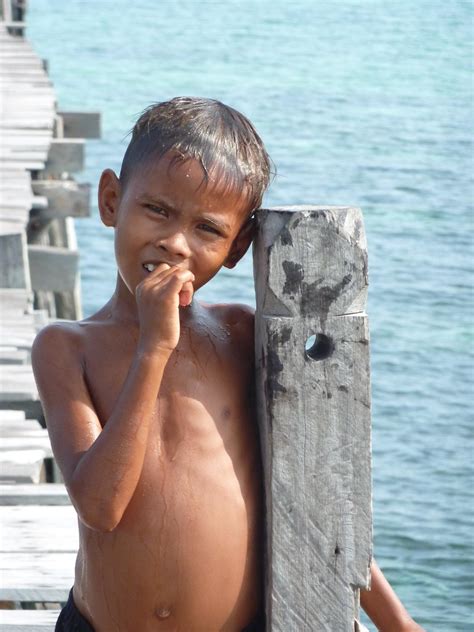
40 149
312 359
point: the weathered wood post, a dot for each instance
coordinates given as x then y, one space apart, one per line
313 385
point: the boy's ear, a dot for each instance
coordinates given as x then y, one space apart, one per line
241 243
109 197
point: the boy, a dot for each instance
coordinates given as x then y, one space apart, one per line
149 401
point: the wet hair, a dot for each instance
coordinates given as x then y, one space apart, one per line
222 139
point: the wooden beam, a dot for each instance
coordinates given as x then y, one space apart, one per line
80 124
65 198
12 415
12 355
28 620
38 528
65 156
313 389
15 301
30 494
23 466
14 261
53 269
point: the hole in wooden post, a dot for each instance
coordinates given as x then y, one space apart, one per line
318 347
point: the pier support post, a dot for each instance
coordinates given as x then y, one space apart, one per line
313 390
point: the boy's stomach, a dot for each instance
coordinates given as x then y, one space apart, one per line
186 555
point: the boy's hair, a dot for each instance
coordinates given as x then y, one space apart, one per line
224 142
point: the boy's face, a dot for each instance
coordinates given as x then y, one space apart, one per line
169 214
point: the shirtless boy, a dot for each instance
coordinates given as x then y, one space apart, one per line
149 401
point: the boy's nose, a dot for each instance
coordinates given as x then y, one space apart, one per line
175 245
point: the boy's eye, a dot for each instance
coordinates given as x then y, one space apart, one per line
208 229
156 209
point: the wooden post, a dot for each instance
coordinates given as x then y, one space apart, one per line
313 390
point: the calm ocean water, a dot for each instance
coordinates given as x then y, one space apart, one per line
361 102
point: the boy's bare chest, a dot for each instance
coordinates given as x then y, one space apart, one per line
203 371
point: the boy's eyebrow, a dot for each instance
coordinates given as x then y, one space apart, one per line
205 217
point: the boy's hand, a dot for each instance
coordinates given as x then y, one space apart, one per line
159 297
384 607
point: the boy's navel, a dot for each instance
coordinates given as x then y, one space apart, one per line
162 613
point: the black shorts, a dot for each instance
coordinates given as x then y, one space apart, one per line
71 620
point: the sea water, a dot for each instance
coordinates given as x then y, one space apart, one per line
360 102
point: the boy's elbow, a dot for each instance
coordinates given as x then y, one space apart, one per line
99 522
94 513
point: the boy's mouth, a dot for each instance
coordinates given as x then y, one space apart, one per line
149 266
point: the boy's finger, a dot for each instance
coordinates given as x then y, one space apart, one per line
175 279
186 294
157 277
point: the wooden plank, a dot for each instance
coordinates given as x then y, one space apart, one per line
23 466
39 141
26 122
22 340
22 63
21 326
16 197
25 441
37 577
26 320
65 198
314 414
12 415
81 124
11 226
12 220
24 427
52 268
38 528
28 620
24 163
11 355
6 13
34 320
31 494
14 272
15 300
28 429
12 426
65 156
17 176
17 384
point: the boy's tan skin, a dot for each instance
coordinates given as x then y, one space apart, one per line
150 411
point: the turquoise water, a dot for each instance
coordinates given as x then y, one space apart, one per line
361 102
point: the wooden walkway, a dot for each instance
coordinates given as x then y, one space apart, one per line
39 280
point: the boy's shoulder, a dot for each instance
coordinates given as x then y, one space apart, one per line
237 320
235 316
57 339
231 312
70 337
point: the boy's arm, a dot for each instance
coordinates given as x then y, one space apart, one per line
384 607
102 467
